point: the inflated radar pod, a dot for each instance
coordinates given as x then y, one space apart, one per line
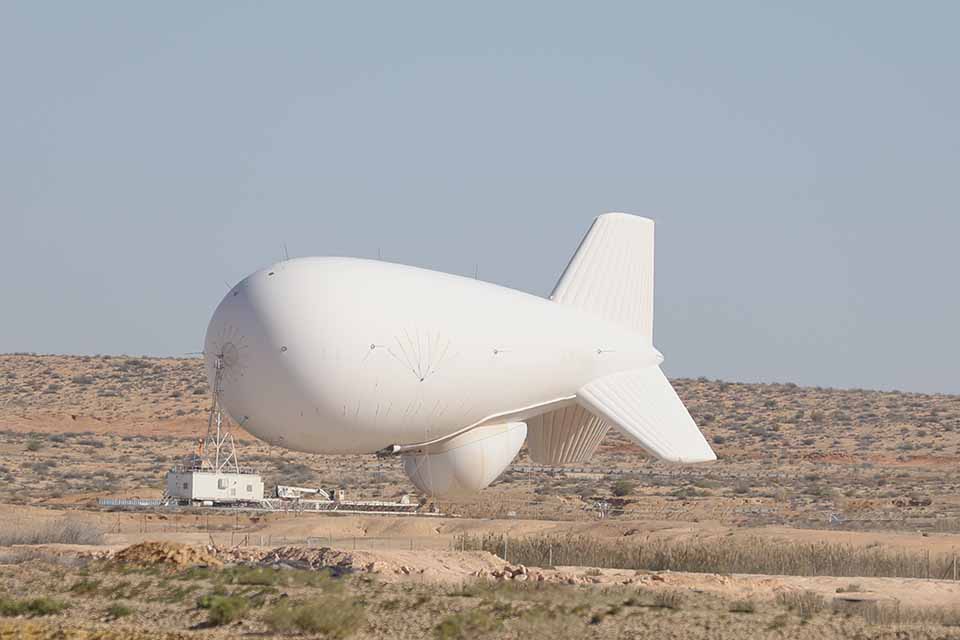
467 463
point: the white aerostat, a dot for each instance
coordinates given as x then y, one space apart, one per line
343 355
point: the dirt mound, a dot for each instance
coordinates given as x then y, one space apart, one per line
291 557
435 566
322 558
166 553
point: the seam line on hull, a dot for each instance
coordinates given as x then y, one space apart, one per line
407 447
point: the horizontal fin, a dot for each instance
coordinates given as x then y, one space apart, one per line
643 405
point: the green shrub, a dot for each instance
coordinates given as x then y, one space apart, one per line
466 625
85 587
118 610
36 607
622 488
742 606
45 606
265 577
252 575
332 617
223 609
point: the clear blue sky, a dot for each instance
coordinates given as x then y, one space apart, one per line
802 163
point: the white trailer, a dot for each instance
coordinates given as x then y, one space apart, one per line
201 485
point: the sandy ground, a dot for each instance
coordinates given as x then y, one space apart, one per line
439 533
423 548
78 428
456 567
906 591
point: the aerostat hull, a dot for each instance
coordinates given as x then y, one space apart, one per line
341 355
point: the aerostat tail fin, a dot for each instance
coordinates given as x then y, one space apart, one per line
644 406
611 274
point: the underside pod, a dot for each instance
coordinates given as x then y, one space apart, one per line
570 434
467 463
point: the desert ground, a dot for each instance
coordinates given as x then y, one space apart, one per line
830 513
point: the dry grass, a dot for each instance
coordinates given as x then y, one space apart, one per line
714 555
806 603
893 614
65 531
668 599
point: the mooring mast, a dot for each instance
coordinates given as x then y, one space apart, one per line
212 475
217 451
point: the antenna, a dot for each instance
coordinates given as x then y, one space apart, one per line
286 254
476 271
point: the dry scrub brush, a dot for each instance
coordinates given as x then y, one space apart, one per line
65 531
715 555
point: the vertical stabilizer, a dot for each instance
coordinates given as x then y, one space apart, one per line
611 274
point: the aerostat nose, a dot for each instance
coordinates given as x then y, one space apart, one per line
225 342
